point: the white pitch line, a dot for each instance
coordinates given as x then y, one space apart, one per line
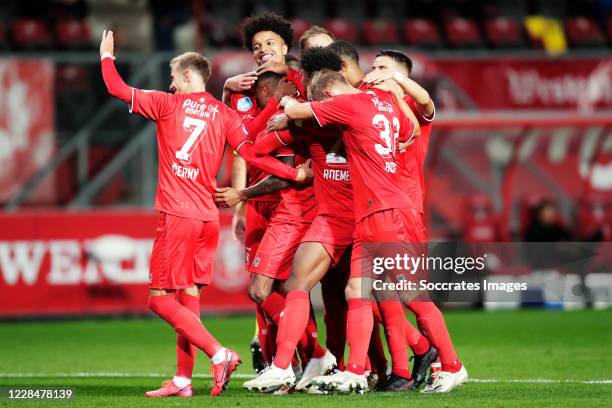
245 376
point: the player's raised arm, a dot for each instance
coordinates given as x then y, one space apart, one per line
296 110
271 141
114 83
239 141
392 64
151 104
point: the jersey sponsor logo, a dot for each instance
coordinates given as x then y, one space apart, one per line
334 158
382 106
337 154
336 175
185 172
244 104
196 108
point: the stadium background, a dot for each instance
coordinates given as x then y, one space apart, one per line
523 92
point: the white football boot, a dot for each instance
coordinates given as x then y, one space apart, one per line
316 367
271 377
444 381
342 382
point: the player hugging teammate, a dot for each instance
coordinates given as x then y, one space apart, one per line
363 139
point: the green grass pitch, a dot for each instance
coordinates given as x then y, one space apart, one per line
525 358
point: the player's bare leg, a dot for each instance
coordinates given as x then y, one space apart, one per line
310 264
224 361
260 288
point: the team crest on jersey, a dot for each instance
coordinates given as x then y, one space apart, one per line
256 262
244 104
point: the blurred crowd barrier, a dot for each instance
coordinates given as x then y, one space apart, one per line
97 263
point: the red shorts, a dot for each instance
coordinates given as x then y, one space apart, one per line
277 248
397 225
258 216
335 234
183 253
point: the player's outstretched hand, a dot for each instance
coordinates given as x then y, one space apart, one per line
402 146
381 75
277 123
241 82
305 173
226 197
107 45
306 167
390 85
272 66
285 88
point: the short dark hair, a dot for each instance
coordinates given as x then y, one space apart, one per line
398 57
321 81
195 61
345 49
318 58
268 76
266 22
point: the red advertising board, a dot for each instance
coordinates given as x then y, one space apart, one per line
539 83
79 263
27 138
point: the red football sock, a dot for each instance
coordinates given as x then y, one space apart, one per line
291 326
273 306
431 323
184 323
332 290
185 351
359 325
376 351
315 349
394 322
415 340
263 332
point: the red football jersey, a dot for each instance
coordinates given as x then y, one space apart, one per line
246 107
413 159
297 203
332 178
372 124
191 132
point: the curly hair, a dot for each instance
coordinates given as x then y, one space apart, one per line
266 22
319 58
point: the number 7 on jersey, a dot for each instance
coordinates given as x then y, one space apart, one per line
197 127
